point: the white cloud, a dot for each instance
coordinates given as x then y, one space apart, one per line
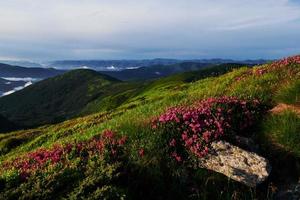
112 68
84 67
26 79
8 93
16 89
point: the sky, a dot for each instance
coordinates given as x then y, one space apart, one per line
145 29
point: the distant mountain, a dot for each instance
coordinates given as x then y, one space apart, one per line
22 72
109 65
209 71
224 61
157 71
117 65
21 63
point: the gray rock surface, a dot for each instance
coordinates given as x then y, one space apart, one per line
238 164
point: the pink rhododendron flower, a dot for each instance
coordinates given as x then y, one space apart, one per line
58 154
196 126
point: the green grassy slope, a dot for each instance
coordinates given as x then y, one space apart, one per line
83 92
148 177
289 93
121 97
133 93
55 99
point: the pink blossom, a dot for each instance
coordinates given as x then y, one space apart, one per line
142 152
205 121
173 143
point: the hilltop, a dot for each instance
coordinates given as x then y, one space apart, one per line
150 145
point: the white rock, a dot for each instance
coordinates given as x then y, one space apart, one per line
238 164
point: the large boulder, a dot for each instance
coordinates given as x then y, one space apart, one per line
238 164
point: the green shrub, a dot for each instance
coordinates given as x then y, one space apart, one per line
289 94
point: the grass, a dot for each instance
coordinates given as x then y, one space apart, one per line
278 137
153 101
284 129
133 113
289 93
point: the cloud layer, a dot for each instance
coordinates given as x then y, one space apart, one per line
15 89
98 29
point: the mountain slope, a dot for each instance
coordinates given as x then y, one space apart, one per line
6 125
83 158
203 72
54 99
155 71
22 72
82 92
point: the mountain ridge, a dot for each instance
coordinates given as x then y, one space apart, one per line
7 70
106 65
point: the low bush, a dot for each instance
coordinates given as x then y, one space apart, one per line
48 173
189 131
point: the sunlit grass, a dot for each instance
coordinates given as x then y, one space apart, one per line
284 130
289 93
151 102
130 114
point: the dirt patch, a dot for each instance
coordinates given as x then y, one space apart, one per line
283 107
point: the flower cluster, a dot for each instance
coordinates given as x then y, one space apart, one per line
273 66
253 72
107 144
286 61
192 129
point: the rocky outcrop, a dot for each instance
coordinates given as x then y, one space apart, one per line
238 164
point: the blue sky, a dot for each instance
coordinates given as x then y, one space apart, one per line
135 29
